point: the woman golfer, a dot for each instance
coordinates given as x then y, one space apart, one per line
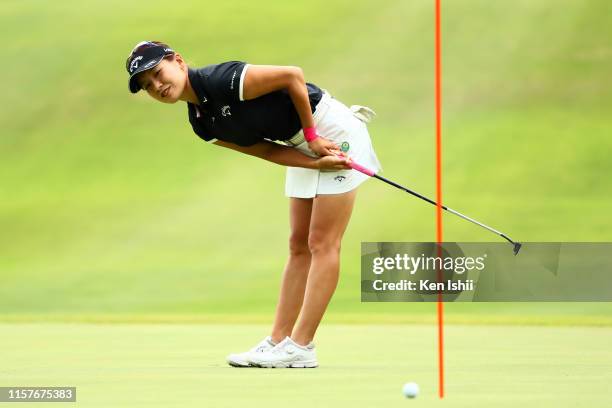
270 112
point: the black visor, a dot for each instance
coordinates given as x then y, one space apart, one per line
145 56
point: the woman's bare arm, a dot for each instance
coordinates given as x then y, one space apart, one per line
263 79
287 156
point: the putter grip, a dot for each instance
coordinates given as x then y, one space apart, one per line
361 169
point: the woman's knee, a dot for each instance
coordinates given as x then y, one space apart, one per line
298 243
321 243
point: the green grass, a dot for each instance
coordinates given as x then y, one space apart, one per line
361 366
111 207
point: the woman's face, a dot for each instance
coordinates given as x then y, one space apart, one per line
166 81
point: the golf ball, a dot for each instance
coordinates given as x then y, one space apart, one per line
410 390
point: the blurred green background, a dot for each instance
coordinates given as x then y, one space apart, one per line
113 210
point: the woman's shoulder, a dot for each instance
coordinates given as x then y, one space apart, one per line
220 81
218 68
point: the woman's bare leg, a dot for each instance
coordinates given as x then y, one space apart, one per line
296 271
330 216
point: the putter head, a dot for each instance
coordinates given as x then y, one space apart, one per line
517 247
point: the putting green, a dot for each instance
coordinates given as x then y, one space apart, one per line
361 365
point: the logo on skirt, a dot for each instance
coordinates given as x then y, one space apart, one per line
345 147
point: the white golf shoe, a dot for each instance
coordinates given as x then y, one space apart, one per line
286 354
242 359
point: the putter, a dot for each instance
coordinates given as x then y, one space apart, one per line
360 168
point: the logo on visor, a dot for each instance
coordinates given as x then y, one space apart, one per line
339 179
149 64
134 63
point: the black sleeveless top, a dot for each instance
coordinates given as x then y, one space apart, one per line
223 114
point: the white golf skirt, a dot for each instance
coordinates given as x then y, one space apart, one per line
347 128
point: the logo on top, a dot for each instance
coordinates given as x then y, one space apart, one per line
232 81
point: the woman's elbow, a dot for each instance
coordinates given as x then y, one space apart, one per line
264 150
297 73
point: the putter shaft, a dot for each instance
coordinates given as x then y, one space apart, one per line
364 170
516 245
